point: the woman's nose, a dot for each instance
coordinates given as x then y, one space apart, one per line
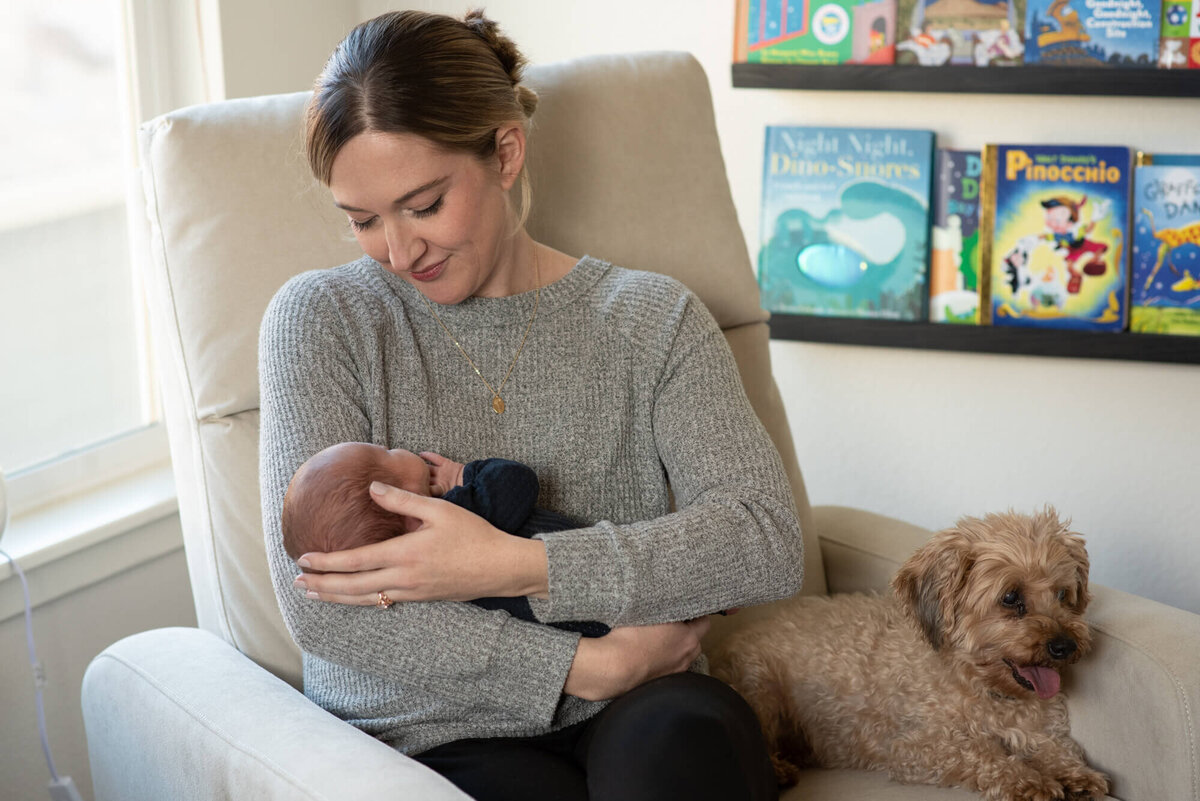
404 249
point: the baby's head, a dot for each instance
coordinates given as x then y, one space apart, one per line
328 505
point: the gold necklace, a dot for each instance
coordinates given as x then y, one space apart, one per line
497 401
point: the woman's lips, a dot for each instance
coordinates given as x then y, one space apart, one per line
429 273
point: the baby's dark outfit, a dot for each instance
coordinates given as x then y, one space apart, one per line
505 494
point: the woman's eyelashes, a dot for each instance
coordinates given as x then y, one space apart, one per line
428 211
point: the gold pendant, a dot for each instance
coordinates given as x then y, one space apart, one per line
497 404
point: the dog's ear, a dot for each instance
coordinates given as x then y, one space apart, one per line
929 583
1078 554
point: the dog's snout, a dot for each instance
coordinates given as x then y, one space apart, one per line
1061 647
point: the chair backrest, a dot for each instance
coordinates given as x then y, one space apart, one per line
625 165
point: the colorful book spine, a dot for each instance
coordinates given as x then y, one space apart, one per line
1179 46
1165 274
815 31
981 33
845 222
1054 225
1093 33
954 258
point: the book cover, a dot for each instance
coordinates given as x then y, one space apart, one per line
815 31
1054 226
845 221
1165 274
954 259
982 33
1179 45
1092 33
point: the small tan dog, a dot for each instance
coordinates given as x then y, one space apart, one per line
953 680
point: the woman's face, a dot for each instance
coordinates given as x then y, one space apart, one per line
438 219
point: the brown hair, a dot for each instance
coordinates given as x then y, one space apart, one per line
453 82
328 505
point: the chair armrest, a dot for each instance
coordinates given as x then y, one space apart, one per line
1133 701
862 550
180 713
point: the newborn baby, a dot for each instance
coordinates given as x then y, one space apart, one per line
328 507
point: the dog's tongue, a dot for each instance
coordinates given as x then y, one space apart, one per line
1044 680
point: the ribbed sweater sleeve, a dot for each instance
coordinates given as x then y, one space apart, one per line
734 540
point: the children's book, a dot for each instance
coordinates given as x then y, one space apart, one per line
845 221
1092 33
815 31
1054 224
954 260
982 33
1179 46
1165 275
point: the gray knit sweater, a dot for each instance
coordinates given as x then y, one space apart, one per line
625 382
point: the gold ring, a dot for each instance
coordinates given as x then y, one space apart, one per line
384 602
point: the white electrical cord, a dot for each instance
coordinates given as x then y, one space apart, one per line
39 672
61 787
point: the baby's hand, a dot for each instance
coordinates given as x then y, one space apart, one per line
444 474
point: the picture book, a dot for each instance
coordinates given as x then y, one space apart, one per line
1179 45
1092 33
845 221
1165 275
815 31
954 259
983 33
1054 223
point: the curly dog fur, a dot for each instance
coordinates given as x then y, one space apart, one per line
951 680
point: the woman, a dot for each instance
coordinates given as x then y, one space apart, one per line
457 333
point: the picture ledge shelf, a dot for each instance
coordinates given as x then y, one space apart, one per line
1028 80
987 339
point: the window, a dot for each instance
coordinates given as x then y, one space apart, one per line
77 404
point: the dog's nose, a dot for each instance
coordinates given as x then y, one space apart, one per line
1061 647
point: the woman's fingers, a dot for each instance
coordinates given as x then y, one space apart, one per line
331 586
375 556
403 502
350 600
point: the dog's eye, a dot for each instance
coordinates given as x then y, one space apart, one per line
1062 596
1011 599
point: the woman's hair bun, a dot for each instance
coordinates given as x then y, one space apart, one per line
507 52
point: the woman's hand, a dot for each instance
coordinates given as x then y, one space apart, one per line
612 665
454 555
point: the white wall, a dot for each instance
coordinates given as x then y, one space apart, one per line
69 632
272 46
928 436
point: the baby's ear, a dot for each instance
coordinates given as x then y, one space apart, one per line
928 584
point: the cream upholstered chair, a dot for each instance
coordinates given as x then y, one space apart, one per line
626 166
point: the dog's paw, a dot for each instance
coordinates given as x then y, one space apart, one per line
1033 786
1085 783
786 773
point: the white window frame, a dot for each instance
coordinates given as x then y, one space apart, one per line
120 490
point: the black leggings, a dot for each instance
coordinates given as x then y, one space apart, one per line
684 736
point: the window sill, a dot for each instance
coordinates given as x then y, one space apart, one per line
69 545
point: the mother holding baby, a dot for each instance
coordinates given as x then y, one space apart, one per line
457 333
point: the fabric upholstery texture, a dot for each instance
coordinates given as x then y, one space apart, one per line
626 166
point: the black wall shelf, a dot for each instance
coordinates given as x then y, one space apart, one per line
987 339
1028 80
